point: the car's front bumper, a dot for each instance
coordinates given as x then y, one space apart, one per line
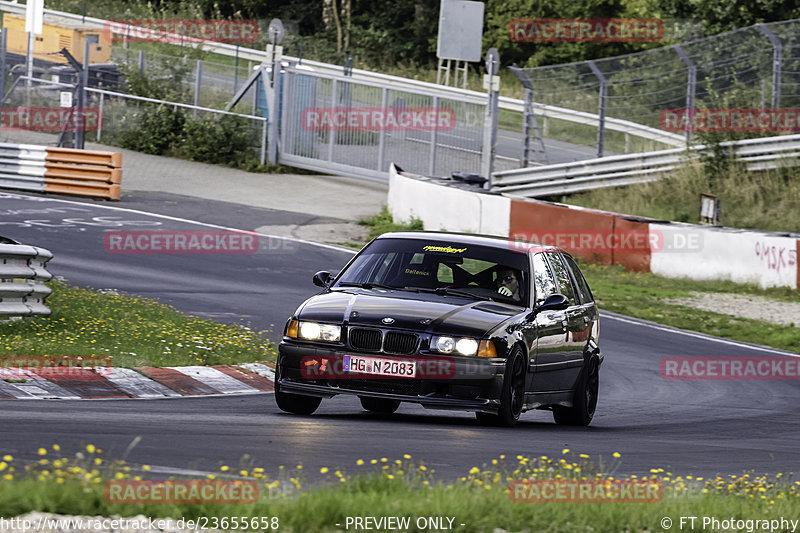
462 383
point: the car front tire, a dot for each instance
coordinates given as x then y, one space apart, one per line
379 405
585 399
512 395
297 404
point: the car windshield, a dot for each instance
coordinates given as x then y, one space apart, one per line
448 268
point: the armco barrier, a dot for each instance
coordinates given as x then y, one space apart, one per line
60 170
22 277
670 249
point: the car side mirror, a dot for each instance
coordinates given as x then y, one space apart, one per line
322 278
554 302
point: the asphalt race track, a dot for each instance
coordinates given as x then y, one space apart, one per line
698 427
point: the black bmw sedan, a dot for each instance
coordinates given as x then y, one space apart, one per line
448 321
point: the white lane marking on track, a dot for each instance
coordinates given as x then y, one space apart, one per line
137 385
606 314
261 370
215 379
189 221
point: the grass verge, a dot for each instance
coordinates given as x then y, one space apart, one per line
480 500
132 331
641 295
767 200
383 223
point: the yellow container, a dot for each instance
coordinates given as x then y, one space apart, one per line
55 36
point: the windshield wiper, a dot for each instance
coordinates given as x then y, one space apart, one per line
366 285
445 291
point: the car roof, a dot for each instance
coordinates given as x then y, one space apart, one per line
472 238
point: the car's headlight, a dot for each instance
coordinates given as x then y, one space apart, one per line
314 331
462 346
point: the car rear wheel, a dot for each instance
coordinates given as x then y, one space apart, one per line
585 400
379 405
296 403
512 395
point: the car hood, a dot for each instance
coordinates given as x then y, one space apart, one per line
418 312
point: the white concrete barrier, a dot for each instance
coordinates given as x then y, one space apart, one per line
702 252
677 250
447 208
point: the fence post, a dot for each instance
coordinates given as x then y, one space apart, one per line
601 113
382 134
690 89
434 140
197 85
141 62
84 77
777 54
100 117
3 36
332 130
236 71
490 118
263 156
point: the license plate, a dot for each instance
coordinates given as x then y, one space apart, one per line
379 366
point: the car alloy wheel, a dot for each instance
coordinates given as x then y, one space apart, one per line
585 398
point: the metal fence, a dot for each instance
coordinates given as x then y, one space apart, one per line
753 67
120 115
458 145
567 178
22 277
200 82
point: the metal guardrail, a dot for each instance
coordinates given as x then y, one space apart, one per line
22 277
564 178
509 104
32 167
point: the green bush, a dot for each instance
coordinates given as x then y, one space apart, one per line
158 129
226 140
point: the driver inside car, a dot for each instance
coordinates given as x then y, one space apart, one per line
507 283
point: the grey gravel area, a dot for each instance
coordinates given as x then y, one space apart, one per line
743 306
52 523
335 232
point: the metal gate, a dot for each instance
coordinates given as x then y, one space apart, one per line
354 127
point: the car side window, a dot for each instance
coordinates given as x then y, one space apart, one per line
543 280
583 287
562 277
